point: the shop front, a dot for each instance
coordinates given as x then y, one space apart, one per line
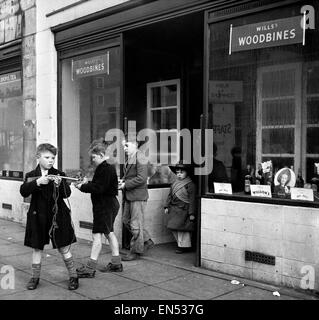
262 102
251 69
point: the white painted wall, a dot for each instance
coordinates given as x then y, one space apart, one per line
10 194
291 234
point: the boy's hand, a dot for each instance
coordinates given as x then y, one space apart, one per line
191 217
56 180
166 210
122 185
42 180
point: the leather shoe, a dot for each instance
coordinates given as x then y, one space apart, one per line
85 272
73 283
149 244
33 283
131 256
112 268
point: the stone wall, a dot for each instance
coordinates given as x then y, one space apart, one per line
291 234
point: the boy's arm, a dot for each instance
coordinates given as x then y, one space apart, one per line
29 186
101 183
141 175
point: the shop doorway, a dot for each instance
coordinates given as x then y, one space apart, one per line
166 55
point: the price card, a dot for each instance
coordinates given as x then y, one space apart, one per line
223 188
263 191
302 194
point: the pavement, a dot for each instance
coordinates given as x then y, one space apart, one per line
161 274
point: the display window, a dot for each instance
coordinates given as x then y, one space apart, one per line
90 102
11 125
263 103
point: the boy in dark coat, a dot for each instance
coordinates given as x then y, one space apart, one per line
48 217
103 189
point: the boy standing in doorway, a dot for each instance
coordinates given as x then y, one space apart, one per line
135 193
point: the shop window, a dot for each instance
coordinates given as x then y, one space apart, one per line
264 102
11 125
90 105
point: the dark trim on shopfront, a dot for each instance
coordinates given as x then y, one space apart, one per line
108 22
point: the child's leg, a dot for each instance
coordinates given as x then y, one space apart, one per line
111 237
68 260
96 246
36 269
69 263
116 264
88 270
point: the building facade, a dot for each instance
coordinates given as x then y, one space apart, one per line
247 70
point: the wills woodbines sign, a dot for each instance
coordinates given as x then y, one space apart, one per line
267 34
90 66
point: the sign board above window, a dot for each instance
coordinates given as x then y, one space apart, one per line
91 66
266 34
10 85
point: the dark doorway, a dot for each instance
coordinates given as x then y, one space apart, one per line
162 51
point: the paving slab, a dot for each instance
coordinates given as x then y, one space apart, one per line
13 249
46 291
106 285
251 293
198 286
24 261
150 272
20 280
149 293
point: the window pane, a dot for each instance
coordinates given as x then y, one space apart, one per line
11 124
170 94
278 141
91 101
313 140
313 111
263 101
280 112
164 119
313 80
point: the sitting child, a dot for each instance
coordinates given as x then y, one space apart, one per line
180 207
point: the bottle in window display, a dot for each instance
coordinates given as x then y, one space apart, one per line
259 175
248 179
300 181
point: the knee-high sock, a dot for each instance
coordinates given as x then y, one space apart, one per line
36 270
69 263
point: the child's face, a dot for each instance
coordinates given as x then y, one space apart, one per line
97 158
46 160
181 174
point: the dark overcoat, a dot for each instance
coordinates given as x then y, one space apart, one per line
103 189
41 212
